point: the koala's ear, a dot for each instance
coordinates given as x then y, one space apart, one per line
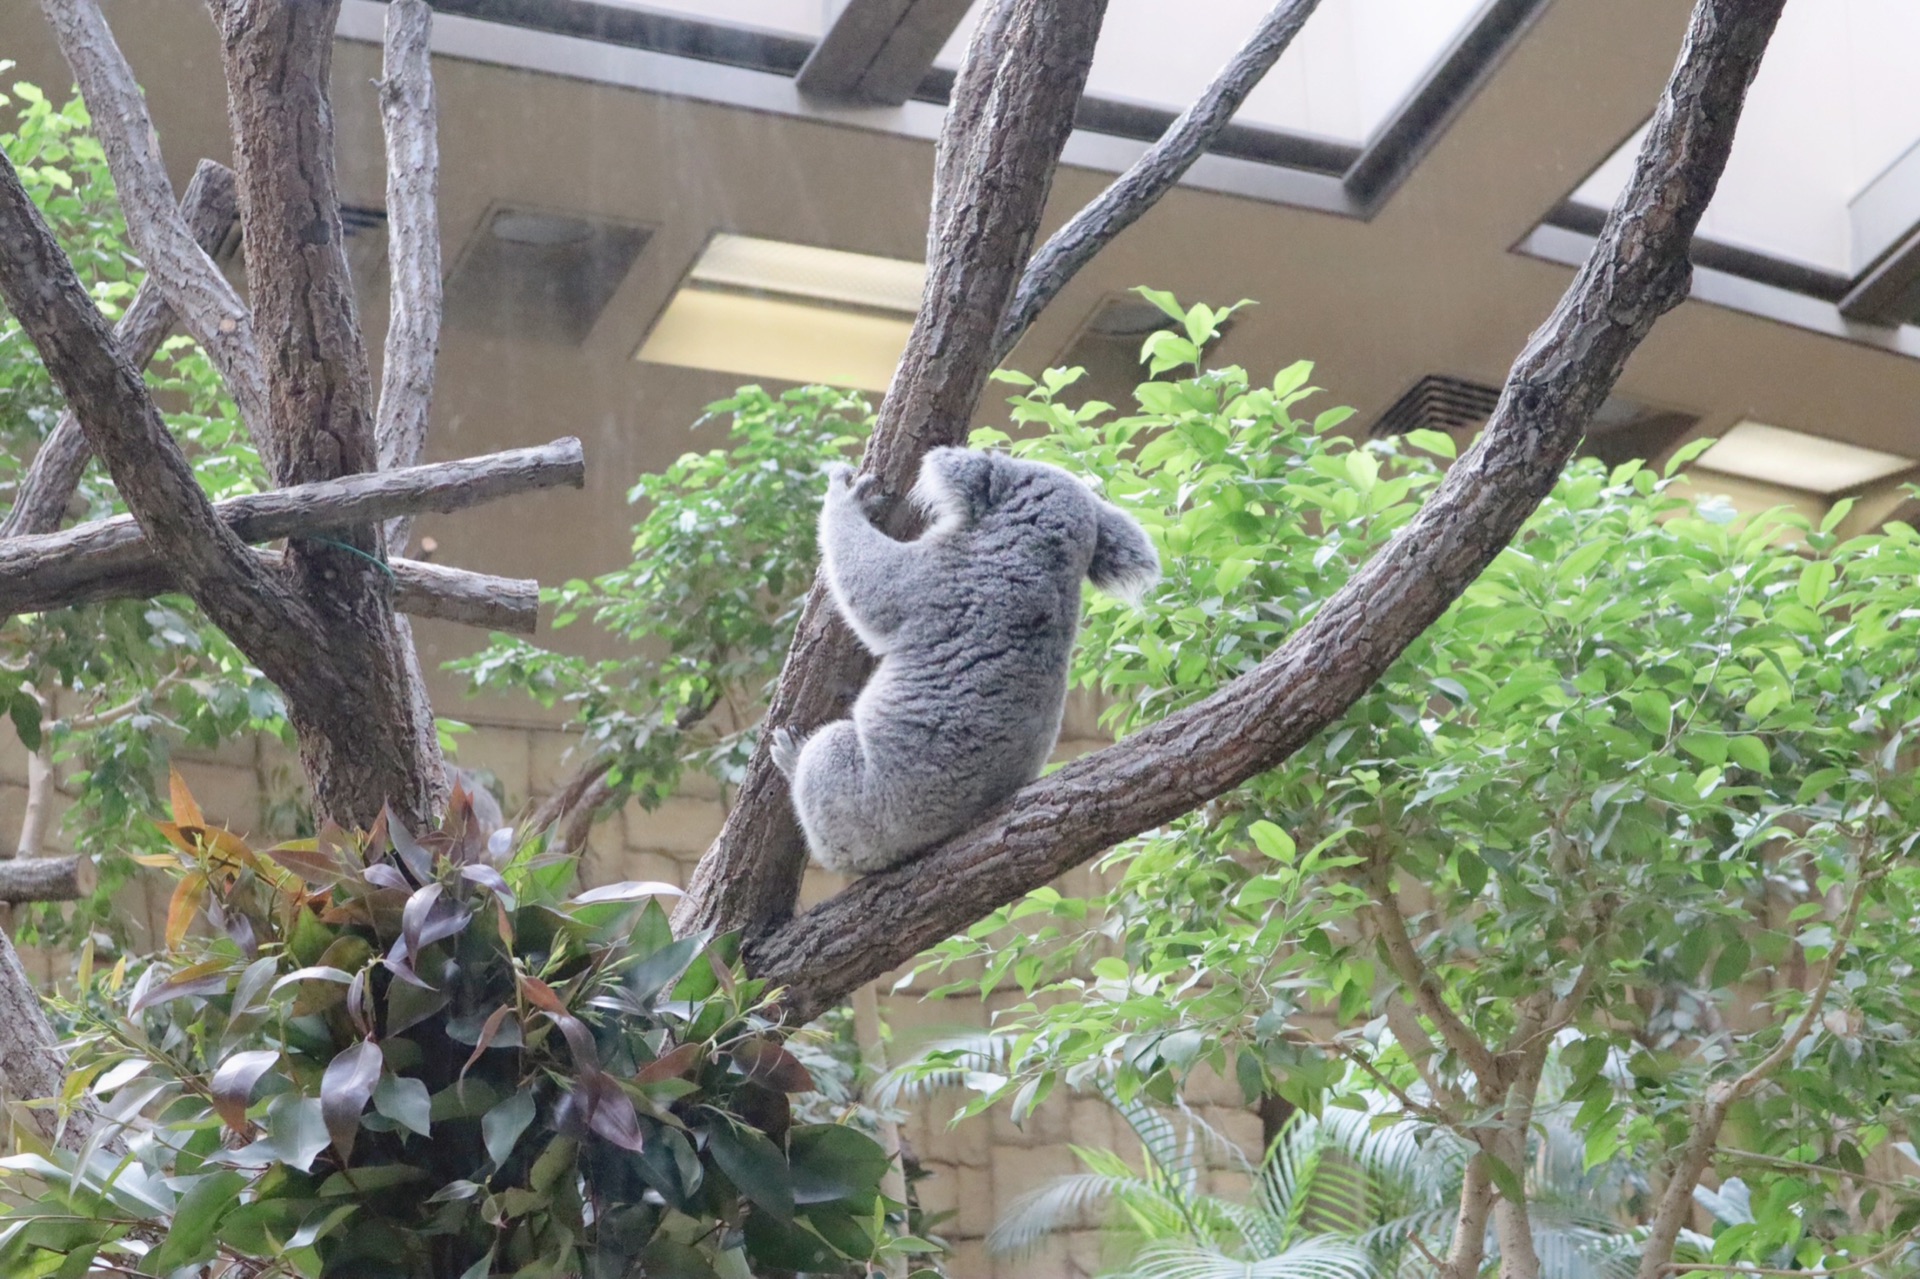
1124 561
951 489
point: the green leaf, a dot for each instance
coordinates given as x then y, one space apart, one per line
1164 300
1653 710
1751 754
1272 841
1438 443
406 1102
752 1163
501 1126
190 1235
1683 455
832 1162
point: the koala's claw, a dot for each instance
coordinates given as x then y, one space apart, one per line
785 751
867 491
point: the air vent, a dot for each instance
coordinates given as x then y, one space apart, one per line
1438 403
540 276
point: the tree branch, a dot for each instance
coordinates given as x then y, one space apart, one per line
111 401
49 570
420 589
1011 111
1469 1245
413 245
1390 927
1152 175
209 210
277 58
1676 1199
44 879
199 296
1638 270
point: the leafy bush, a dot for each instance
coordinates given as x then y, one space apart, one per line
418 1058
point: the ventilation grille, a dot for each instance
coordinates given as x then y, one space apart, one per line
365 228
1438 403
540 276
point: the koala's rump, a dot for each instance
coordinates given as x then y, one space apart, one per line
959 725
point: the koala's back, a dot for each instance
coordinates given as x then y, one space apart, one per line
966 704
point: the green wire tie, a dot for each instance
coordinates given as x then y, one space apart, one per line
374 560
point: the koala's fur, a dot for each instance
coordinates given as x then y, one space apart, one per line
974 624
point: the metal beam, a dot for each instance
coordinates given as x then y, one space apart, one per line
1885 221
879 50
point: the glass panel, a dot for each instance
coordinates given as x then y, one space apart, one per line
805 18
1353 63
1836 102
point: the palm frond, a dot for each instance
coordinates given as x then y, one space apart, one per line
1308 1259
963 1053
1058 1206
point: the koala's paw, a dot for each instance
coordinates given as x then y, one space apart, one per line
868 493
785 751
839 475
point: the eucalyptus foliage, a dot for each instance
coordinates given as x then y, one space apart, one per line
110 690
1645 765
419 1058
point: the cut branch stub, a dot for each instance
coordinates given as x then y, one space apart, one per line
1012 109
58 569
210 209
1637 271
45 879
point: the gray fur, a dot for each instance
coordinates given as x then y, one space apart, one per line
974 624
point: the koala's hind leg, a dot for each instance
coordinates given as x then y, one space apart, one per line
830 795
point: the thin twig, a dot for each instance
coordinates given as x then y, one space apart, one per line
1151 176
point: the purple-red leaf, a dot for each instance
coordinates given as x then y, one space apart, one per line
610 1111
208 978
768 1063
487 877
586 1057
383 875
671 1065
345 1089
233 1085
487 1033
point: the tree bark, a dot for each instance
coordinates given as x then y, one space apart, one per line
1638 271
44 879
420 589
383 749
52 570
209 209
1012 109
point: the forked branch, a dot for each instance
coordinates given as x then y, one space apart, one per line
1638 270
209 208
205 304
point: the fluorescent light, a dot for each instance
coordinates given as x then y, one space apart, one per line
1795 460
804 271
768 337
766 308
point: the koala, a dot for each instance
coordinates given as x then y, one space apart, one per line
973 623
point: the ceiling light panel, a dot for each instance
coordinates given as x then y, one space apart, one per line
1795 460
768 337
816 274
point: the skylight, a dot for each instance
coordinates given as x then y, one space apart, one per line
1836 105
804 18
1353 63
1795 460
797 312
